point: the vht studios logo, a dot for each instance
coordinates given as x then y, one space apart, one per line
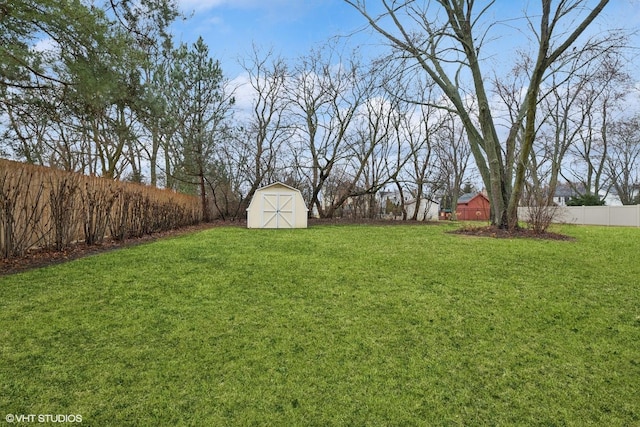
43 418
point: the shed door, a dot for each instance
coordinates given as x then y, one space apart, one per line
277 210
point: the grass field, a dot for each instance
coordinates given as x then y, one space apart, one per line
331 326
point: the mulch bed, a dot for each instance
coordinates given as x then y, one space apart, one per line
499 233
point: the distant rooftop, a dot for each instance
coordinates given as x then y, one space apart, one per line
465 198
566 190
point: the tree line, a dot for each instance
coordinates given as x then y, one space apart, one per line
112 95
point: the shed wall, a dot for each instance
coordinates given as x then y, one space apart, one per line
277 206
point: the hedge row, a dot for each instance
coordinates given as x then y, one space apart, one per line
47 208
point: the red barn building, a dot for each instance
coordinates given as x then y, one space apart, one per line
473 207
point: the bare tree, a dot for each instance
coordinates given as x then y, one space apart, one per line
228 182
452 154
446 38
599 98
326 93
373 160
267 128
30 119
560 125
623 160
418 119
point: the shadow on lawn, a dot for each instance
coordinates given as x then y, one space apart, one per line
44 257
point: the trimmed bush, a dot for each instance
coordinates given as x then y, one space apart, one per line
42 207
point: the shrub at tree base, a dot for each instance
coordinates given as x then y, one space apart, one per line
47 208
541 210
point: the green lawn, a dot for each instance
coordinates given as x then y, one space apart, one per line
331 326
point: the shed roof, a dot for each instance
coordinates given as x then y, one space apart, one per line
278 183
466 198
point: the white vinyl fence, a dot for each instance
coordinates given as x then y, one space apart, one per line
628 216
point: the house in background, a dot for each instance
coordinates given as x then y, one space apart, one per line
390 203
473 207
564 192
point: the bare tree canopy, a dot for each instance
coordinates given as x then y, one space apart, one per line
526 96
445 39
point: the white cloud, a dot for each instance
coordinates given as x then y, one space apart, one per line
219 23
244 94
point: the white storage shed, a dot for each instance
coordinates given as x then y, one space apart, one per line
277 205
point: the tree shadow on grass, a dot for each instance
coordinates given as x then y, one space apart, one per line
45 257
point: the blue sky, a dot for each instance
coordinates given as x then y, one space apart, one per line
292 27
289 27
